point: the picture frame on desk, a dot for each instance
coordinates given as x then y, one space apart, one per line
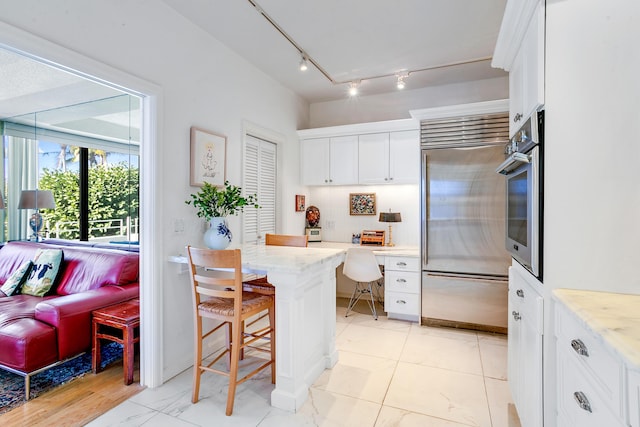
300 205
362 203
208 158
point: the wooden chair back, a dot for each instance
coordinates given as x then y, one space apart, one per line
206 281
286 240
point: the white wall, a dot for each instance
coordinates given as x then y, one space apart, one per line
592 176
203 84
338 225
396 105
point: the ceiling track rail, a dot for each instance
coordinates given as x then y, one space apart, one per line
324 72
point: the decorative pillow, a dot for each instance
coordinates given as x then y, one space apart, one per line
17 279
43 273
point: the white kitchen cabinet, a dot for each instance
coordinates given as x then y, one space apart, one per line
402 287
524 360
388 152
520 50
389 158
526 76
329 161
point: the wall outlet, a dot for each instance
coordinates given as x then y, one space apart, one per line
178 225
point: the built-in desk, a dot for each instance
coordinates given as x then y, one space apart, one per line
402 282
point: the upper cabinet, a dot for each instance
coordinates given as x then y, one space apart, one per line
389 158
366 153
329 161
520 51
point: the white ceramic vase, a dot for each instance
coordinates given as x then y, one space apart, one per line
218 236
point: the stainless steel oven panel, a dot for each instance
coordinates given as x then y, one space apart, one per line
528 253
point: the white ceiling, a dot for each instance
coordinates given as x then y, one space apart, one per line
350 39
356 39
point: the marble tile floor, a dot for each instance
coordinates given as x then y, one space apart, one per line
389 373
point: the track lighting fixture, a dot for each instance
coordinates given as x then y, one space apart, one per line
303 63
353 88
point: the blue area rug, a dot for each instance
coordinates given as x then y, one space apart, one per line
12 385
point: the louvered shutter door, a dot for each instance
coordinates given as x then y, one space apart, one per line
260 179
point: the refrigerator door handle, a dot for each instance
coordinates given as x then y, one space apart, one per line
471 277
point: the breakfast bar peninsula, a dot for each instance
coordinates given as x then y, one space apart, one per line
305 281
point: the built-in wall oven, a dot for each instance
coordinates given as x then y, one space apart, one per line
523 169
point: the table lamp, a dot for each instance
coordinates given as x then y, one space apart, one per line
36 199
390 217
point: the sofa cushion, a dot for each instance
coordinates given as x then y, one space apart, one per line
17 279
26 343
46 265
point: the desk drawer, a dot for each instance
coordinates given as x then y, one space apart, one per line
401 303
402 281
401 263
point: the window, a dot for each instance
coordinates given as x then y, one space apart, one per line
260 178
87 155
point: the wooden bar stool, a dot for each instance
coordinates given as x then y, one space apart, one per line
219 296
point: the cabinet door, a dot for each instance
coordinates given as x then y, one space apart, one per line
343 160
373 162
533 47
516 87
404 157
314 161
634 398
525 345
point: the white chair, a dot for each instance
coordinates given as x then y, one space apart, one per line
361 266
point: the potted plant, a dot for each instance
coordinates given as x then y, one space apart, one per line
214 205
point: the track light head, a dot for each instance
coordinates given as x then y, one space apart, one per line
353 88
303 63
400 83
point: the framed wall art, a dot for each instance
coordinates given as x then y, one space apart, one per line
208 158
362 204
300 203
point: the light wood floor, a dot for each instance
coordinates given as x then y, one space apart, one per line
75 403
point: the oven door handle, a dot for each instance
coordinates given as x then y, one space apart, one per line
512 162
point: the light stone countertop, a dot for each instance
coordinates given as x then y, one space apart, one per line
400 250
616 317
259 259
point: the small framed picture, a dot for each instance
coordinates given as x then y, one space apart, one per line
208 158
299 203
362 204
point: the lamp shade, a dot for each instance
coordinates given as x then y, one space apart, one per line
390 217
36 199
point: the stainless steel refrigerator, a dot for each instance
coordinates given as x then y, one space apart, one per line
464 260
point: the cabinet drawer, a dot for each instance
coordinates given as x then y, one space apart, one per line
402 281
584 349
402 263
575 388
401 303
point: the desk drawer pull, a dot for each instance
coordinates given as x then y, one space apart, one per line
401 264
401 280
400 301
579 347
582 401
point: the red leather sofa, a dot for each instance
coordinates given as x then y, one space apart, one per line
38 332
